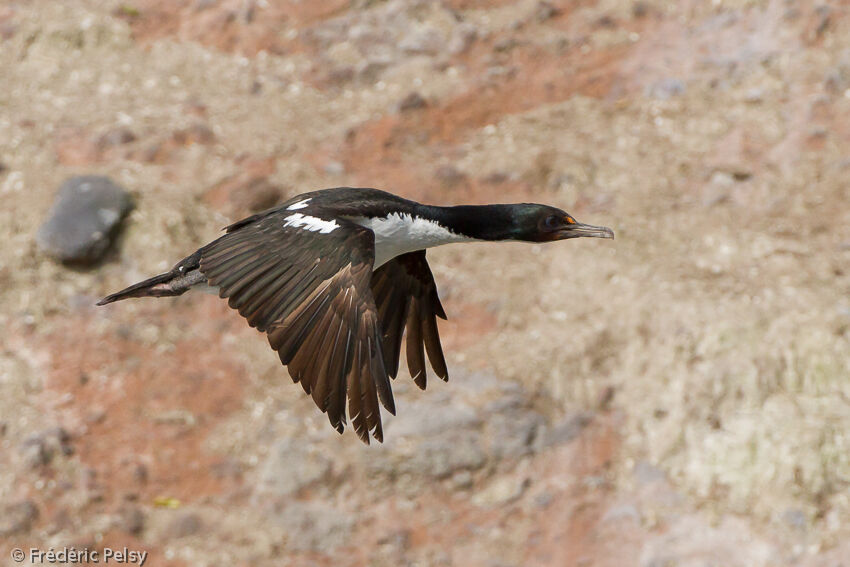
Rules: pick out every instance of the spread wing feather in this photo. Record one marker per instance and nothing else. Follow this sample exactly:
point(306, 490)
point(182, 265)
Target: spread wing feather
point(406, 296)
point(310, 293)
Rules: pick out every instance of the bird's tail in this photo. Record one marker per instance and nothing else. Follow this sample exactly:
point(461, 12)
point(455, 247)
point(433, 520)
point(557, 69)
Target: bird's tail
point(157, 286)
point(174, 282)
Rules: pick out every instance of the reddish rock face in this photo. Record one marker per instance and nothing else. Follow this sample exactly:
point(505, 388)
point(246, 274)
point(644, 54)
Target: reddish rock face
point(678, 398)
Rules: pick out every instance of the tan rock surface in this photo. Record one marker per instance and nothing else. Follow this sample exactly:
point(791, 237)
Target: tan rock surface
point(678, 396)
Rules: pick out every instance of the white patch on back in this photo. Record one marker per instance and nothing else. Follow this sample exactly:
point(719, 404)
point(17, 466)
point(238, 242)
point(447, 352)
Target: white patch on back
point(398, 234)
point(298, 205)
point(313, 224)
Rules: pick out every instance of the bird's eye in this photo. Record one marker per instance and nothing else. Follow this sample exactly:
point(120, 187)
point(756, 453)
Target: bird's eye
point(552, 222)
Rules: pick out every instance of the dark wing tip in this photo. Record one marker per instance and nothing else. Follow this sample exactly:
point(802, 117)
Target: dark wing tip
point(437, 305)
point(390, 407)
point(363, 434)
point(420, 379)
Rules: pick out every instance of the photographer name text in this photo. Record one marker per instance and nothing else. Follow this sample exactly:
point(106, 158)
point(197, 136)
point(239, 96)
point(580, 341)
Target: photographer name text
point(72, 555)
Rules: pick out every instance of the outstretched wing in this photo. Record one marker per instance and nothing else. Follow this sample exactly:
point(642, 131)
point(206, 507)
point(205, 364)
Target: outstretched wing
point(304, 281)
point(406, 296)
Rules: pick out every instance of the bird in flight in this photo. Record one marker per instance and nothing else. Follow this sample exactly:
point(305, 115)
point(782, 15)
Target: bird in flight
point(334, 277)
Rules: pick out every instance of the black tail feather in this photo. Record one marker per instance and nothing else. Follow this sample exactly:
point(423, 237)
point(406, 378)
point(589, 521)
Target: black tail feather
point(182, 276)
point(149, 288)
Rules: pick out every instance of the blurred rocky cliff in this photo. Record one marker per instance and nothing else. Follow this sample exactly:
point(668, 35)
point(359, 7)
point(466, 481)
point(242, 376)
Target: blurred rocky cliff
point(679, 396)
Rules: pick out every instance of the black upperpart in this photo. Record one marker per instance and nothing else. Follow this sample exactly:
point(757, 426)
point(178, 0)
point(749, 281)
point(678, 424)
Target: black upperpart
point(522, 221)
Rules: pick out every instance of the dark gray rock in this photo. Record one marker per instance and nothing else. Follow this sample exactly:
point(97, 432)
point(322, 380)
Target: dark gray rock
point(544, 500)
point(838, 78)
point(116, 137)
point(463, 36)
point(426, 417)
point(439, 458)
point(201, 5)
point(505, 44)
point(413, 101)
point(184, 525)
point(823, 14)
point(35, 452)
point(449, 176)
point(18, 518)
point(513, 433)
point(84, 219)
point(290, 467)
point(545, 11)
point(140, 473)
point(567, 430)
point(513, 425)
point(434, 437)
point(39, 449)
point(393, 549)
point(458, 433)
point(197, 133)
point(370, 71)
point(131, 520)
point(315, 526)
point(666, 88)
point(640, 9)
point(497, 178)
point(462, 480)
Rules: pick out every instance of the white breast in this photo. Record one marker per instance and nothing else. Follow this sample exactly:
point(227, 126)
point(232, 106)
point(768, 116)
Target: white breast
point(398, 234)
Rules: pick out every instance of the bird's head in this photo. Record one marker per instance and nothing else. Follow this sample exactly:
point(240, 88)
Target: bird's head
point(542, 223)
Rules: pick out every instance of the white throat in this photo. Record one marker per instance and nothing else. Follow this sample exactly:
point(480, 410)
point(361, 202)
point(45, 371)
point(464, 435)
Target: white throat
point(398, 234)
